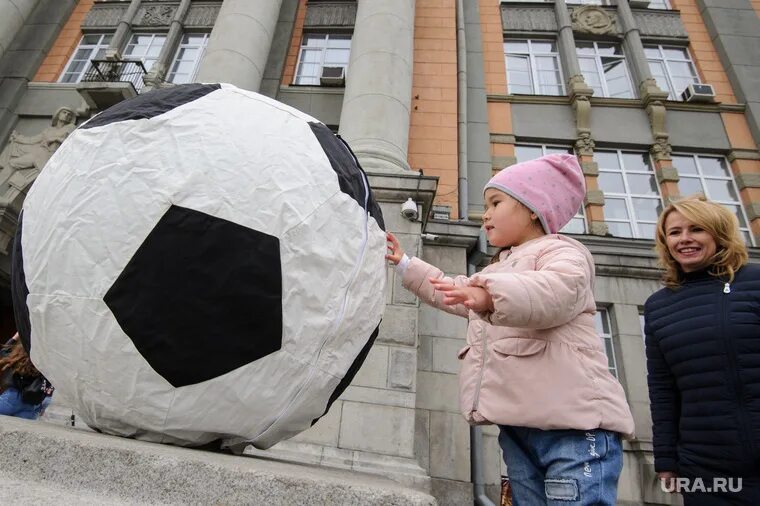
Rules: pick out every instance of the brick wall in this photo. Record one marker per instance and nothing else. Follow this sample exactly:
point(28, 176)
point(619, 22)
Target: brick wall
point(65, 44)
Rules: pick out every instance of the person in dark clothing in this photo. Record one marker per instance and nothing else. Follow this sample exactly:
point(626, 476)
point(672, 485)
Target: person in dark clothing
point(24, 391)
point(703, 358)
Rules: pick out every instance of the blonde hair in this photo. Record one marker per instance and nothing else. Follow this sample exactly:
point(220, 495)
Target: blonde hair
point(720, 223)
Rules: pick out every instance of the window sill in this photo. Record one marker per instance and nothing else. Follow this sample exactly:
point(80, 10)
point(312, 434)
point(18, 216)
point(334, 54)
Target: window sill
point(306, 88)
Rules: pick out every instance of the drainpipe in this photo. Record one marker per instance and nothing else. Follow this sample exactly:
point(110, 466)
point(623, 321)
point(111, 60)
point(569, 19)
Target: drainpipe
point(476, 431)
point(463, 203)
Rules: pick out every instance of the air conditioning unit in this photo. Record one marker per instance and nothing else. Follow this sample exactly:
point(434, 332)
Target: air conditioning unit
point(333, 76)
point(639, 4)
point(698, 92)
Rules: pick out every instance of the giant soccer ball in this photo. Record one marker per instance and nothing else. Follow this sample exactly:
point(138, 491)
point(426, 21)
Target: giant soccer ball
point(200, 263)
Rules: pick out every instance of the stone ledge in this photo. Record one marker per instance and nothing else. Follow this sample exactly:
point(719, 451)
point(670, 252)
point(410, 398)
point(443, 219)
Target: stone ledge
point(83, 465)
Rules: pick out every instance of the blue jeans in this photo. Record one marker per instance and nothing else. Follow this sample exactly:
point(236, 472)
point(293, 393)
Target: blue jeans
point(12, 405)
point(562, 467)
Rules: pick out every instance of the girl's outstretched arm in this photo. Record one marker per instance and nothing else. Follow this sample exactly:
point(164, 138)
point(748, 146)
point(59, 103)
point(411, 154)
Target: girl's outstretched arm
point(416, 276)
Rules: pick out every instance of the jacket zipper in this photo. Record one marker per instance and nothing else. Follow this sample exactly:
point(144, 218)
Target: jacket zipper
point(738, 385)
point(484, 335)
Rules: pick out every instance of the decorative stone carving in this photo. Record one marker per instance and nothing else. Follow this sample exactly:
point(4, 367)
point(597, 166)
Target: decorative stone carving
point(660, 24)
point(528, 19)
point(592, 19)
point(21, 162)
point(32, 152)
point(338, 14)
point(101, 16)
point(201, 16)
point(661, 149)
point(585, 145)
point(156, 15)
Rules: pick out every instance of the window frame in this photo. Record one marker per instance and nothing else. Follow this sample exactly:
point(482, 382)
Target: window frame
point(322, 51)
point(665, 3)
point(673, 94)
point(604, 314)
point(95, 49)
point(569, 150)
point(628, 197)
point(703, 179)
point(201, 51)
point(597, 58)
point(535, 82)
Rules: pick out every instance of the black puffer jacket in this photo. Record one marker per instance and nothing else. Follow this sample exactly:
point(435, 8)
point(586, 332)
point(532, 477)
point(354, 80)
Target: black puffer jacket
point(703, 358)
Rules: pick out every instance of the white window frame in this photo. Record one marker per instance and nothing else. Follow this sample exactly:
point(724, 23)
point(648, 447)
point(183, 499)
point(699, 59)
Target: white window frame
point(201, 47)
point(662, 58)
point(703, 181)
point(150, 45)
point(548, 149)
point(95, 49)
point(535, 83)
point(660, 5)
point(628, 197)
point(597, 58)
point(601, 317)
point(590, 2)
point(322, 51)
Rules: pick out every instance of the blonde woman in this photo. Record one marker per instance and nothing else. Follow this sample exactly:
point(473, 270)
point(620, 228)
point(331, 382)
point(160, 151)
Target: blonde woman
point(703, 357)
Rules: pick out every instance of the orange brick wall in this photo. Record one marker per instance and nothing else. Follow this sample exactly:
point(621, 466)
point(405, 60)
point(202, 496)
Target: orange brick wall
point(703, 51)
point(433, 132)
point(756, 5)
point(295, 45)
point(64, 46)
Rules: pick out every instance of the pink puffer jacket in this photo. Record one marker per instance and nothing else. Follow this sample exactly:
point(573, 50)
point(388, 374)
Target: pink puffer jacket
point(537, 360)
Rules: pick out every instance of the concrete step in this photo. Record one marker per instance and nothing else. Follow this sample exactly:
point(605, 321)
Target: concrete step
point(42, 463)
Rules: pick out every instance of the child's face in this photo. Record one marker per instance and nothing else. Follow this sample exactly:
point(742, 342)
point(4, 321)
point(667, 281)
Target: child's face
point(506, 221)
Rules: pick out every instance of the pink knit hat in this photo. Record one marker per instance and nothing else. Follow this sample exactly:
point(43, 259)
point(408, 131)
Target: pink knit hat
point(552, 186)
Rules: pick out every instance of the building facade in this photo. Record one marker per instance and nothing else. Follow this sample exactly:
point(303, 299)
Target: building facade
point(434, 96)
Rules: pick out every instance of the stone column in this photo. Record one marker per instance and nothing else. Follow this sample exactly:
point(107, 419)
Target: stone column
point(239, 45)
point(119, 39)
point(158, 71)
point(13, 14)
point(580, 95)
point(375, 115)
point(634, 51)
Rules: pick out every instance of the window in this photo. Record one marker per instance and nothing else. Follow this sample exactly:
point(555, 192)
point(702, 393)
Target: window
point(523, 153)
point(533, 67)
point(672, 68)
point(321, 50)
point(91, 47)
point(188, 56)
point(602, 322)
point(709, 175)
point(631, 195)
point(145, 47)
point(604, 69)
point(659, 4)
point(590, 2)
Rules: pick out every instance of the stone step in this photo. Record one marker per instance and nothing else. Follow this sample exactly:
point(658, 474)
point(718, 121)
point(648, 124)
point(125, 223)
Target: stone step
point(44, 463)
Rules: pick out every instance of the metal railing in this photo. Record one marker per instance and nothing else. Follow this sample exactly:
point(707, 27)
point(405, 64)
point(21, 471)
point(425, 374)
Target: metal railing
point(114, 71)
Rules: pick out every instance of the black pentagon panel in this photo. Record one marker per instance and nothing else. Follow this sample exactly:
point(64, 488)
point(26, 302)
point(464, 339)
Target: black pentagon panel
point(351, 176)
point(19, 290)
point(351, 373)
point(201, 296)
point(151, 104)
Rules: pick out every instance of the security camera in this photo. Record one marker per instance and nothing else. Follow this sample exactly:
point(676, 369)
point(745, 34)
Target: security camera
point(409, 209)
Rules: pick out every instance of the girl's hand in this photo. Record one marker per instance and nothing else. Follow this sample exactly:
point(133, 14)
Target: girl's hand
point(395, 253)
point(668, 481)
point(473, 297)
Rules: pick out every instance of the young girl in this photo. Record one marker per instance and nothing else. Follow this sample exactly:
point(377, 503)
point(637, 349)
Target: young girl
point(534, 363)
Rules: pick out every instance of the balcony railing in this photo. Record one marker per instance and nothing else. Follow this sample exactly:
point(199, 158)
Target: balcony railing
point(113, 71)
